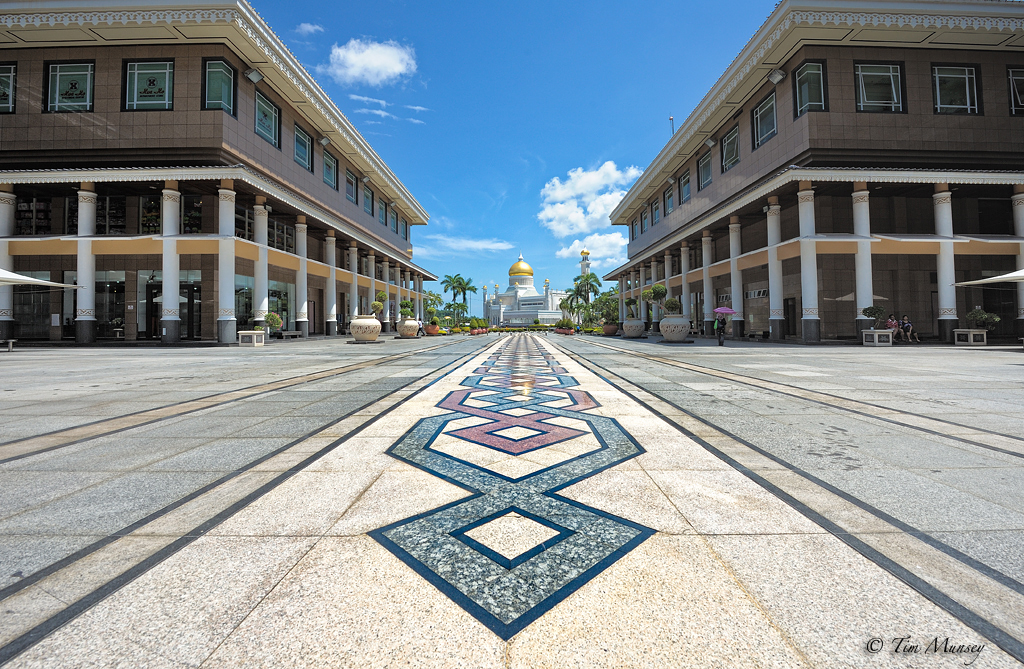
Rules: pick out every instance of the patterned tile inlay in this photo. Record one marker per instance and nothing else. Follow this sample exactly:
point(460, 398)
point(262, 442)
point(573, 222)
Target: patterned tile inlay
point(521, 400)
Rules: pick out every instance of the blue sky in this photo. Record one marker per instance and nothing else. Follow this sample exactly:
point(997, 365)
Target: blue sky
point(517, 126)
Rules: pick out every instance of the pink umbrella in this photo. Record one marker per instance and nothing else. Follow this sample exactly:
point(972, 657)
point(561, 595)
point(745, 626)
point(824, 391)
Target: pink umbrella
point(724, 310)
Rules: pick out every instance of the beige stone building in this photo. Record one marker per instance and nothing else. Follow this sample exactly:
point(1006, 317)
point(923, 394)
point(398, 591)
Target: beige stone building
point(173, 138)
point(854, 153)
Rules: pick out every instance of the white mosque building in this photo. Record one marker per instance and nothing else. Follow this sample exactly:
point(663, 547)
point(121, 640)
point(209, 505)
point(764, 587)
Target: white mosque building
point(522, 303)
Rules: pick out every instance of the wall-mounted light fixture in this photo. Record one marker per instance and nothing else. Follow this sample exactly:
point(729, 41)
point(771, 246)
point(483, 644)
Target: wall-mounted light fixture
point(392, 204)
point(670, 180)
point(324, 141)
point(254, 75)
point(775, 76)
point(710, 142)
point(366, 180)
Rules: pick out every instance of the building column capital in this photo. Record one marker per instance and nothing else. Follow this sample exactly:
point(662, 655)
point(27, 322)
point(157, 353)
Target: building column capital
point(225, 195)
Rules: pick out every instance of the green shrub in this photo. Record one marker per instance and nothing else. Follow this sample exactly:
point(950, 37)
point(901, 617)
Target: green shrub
point(672, 305)
point(435, 321)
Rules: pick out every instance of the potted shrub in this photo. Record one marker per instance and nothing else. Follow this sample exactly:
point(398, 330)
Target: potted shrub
point(407, 327)
point(610, 315)
point(674, 328)
point(875, 313)
point(979, 322)
point(632, 327)
point(367, 327)
point(433, 327)
point(272, 321)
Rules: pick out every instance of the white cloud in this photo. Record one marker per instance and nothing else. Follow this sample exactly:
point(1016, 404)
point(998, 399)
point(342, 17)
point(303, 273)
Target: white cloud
point(416, 120)
point(582, 203)
point(367, 62)
point(606, 250)
point(441, 246)
point(368, 101)
point(416, 108)
point(308, 29)
point(376, 112)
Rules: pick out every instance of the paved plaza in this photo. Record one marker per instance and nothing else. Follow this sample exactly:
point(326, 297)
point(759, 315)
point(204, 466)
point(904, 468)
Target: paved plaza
point(512, 501)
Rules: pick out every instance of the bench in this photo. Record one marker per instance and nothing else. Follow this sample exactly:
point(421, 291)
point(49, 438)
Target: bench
point(10, 344)
point(285, 334)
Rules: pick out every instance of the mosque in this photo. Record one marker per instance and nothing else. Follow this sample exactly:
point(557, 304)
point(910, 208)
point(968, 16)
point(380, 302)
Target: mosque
point(522, 303)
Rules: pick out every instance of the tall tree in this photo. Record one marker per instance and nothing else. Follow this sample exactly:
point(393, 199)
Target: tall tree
point(588, 284)
point(452, 284)
point(467, 287)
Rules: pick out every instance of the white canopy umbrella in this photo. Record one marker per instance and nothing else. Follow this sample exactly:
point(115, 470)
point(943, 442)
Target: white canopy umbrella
point(1003, 278)
point(13, 279)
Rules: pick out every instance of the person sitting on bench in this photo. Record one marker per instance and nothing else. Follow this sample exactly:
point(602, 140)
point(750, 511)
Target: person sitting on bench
point(908, 329)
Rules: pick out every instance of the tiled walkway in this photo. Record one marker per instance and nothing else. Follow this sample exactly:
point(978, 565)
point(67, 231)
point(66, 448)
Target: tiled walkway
point(509, 509)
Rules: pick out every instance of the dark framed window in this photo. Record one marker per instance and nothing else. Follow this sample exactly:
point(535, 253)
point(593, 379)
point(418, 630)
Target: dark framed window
point(303, 148)
point(405, 229)
point(730, 146)
point(810, 88)
point(69, 86)
point(149, 85)
point(655, 213)
point(393, 217)
point(1016, 76)
point(634, 229)
point(220, 85)
point(643, 221)
point(368, 200)
point(268, 120)
point(351, 187)
point(330, 170)
point(684, 187)
point(704, 171)
point(879, 87)
point(955, 89)
point(382, 213)
point(8, 85)
point(764, 122)
point(670, 197)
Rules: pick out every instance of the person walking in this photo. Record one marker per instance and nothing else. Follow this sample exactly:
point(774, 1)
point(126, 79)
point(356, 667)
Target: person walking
point(720, 329)
point(419, 327)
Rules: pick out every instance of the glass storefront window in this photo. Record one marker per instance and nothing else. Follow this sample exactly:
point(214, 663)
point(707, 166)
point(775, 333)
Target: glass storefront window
point(191, 214)
point(70, 87)
point(282, 302)
point(149, 215)
point(244, 287)
point(32, 308)
point(32, 216)
point(149, 86)
point(110, 301)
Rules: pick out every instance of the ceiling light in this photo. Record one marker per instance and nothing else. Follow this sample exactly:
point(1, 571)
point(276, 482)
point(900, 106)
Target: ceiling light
point(775, 76)
point(254, 75)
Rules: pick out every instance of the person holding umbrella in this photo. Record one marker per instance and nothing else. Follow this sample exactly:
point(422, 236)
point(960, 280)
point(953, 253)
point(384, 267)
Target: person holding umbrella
point(720, 323)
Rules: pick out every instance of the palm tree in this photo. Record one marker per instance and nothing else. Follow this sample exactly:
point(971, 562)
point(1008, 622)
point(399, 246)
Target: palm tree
point(452, 284)
point(467, 287)
point(588, 284)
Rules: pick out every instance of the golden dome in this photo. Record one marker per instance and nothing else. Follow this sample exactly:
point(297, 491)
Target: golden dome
point(585, 253)
point(520, 268)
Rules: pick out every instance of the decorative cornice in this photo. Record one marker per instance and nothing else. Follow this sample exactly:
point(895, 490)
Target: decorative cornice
point(861, 198)
point(942, 198)
point(8, 199)
point(138, 17)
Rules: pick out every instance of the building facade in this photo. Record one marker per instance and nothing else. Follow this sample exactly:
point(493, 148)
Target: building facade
point(522, 303)
point(176, 138)
point(854, 154)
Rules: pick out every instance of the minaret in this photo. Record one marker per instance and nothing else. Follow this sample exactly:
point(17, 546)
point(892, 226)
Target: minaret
point(584, 262)
point(485, 314)
point(547, 295)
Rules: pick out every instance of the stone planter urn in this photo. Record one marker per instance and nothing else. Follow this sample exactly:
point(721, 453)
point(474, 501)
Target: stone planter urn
point(407, 328)
point(675, 328)
point(632, 328)
point(431, 329)
point(610, 330)
point(365, 328)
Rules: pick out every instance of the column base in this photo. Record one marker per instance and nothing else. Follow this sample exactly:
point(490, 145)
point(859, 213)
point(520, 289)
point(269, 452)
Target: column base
point(303, 327)
point(332, 328)
point(1018, 327)
point(656, 326)
point(777, 329)
point(6, 329)
point(170, 331)
point(709, 328)
point(738, 329)
point(227, 331)
point(862, 324)
point(85, 332)
point(811, 328)
point(946, 327)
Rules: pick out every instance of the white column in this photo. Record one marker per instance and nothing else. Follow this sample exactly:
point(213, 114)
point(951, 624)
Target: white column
point(8, 205)
point(655, 309)
point(85, 312)
point(331, 256)
point(736, 275)
point(708, 253)
point(1018, 229)
point(261, 273)
point(622, 298)
point(776, 313)
point(862, 261)
point(633, 293)
point(227, 326)
point(808, 264)
point(371, 265)
point(301, 278)
point(408, 290)
point(418, 283)
point(643, 287)
point(684, 290)
point(353, 289)
point(942, 203)
point(385, 272)
point(170, 314)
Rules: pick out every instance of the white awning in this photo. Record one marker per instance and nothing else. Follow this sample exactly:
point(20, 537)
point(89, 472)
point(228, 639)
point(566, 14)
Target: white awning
point(12, 279)
point(1002, 278)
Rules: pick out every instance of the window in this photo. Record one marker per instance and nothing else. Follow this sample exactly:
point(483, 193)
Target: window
point(809, 83)
point(368, 200)
point(69, 87)
point(1016, 91)
point(405, 230)
point(331, 171)
point(643, 222)
point(765, 125)
point(669, 196)
point(149, 86)
point(219, 87)
point(704, 171)
point(879, 88)
point(268, 120)
point(7, 83)
point(731, 149)
point(655, 213)
point(191, 216)
point(382, 213)
point(350, 186)
point(393, 217)
point(634, 230)
point(32, 217)
point(684, 187)
point(956, 90)
point(149, 215)
point(303, 148)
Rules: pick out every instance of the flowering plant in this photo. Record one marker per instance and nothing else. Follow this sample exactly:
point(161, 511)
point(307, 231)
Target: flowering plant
point(273, 320)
